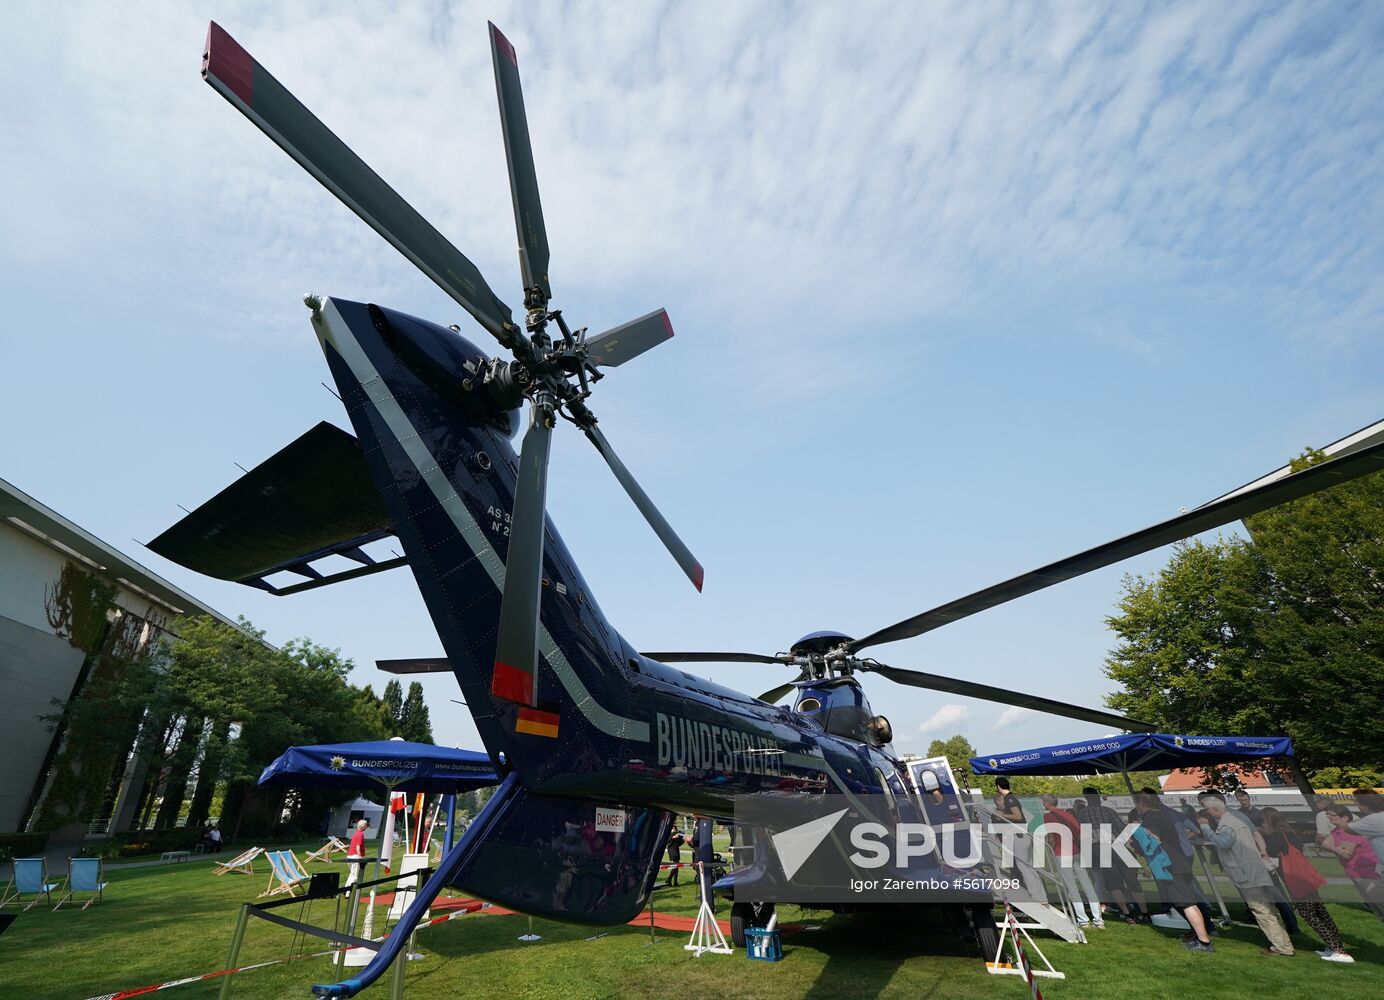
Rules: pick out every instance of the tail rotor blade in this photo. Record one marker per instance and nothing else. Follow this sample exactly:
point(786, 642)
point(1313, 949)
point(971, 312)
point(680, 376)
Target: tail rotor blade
point(523, 179)
point(629, 340)
point(661, 527)
point(516, 647)
point(251, 88)
point(422, 665)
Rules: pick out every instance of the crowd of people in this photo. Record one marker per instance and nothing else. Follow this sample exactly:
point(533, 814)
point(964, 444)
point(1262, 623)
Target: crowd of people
point(1256, 848)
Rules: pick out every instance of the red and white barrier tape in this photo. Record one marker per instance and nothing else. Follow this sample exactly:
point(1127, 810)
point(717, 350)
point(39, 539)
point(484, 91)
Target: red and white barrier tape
point(1012, 925)
point(263, 965)
point(210, 975)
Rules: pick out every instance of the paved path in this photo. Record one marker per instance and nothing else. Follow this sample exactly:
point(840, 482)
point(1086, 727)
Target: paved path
point(58, 855)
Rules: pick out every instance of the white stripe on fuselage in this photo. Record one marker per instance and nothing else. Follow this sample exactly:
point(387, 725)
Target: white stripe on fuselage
point(333, 329)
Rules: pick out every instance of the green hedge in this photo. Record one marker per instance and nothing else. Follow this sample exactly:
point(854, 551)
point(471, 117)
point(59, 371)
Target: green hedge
point(21, 845)
point(124, 845)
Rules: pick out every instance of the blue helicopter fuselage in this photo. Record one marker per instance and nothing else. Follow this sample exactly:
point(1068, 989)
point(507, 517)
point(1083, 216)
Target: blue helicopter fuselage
point(607, 727)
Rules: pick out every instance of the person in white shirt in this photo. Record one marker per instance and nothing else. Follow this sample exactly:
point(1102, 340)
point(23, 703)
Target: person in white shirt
point(1371, 821)
point(1323, 822)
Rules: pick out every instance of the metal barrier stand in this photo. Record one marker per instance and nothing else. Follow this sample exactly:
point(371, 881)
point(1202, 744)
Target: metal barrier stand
point(333, 934)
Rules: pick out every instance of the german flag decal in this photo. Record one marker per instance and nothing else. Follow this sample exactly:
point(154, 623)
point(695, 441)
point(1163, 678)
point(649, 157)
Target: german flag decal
point(536, 722)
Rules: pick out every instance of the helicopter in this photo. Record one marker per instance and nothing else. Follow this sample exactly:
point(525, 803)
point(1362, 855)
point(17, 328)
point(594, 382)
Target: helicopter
point(600, 746)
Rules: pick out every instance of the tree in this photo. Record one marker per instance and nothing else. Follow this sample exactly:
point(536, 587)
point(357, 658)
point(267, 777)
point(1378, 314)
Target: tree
point(217, 704)
point(957, 750)
point(1059, 784)
point(414, 723)
point(93, 732)
point(393, 700)
point(1282, 633)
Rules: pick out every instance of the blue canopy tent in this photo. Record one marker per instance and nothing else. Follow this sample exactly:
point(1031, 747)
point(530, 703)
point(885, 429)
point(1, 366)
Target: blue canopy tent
point(396, 765)
point(1134, 752)
point(1143, 751)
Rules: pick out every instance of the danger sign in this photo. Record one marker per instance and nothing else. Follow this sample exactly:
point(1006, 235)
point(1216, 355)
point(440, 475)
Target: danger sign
point(610, 820)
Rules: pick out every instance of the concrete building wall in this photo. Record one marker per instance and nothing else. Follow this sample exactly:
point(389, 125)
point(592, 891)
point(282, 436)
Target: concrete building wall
point(37, 667)
point(27, 567)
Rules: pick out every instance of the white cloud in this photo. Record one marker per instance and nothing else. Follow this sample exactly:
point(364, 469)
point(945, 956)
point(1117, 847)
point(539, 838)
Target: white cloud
point(1010, 716)
point(885, 163)
point(944, 718)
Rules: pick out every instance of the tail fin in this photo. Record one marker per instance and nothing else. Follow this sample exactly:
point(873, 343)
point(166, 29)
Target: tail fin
point(438, 449)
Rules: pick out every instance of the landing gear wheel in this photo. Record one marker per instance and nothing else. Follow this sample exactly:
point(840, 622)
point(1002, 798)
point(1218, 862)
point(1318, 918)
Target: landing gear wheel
point(746, 915)
point(986, 932)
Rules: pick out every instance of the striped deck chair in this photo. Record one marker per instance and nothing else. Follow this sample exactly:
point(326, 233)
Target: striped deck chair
point(324, 853)
point(84, 875)
point(243, 862)
point(284, 874)
point(295, 867)
point(30, 878)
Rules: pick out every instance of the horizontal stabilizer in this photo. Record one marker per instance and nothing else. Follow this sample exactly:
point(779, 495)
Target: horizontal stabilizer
point(313, 499)
point(435, 665)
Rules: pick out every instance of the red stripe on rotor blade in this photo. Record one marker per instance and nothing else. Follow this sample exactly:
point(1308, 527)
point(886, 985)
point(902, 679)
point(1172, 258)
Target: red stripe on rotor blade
point(505, 47)
point(224, 59)
point(668, 325)
point(698, 577)
point(511, 683)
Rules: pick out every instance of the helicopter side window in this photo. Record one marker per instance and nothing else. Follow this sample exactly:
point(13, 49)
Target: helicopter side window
point(888, 795)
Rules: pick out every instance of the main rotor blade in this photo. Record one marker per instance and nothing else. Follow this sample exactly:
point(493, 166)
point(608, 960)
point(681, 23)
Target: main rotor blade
point(935, 682)
point(774, 694)
point(261, 98)
point(629, 340)
point(716, 658)
point(661, 527)
point(516, 646)
point(523, 179)
point(1204, 518)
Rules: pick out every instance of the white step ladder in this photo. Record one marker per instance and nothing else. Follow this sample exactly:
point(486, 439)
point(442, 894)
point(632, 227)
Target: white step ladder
point(1049, 918)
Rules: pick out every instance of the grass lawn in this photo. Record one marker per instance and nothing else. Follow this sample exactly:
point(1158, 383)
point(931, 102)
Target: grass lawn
point(167, 922)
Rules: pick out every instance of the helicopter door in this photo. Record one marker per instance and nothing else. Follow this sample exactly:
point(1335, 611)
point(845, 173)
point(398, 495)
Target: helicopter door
point(932, 778)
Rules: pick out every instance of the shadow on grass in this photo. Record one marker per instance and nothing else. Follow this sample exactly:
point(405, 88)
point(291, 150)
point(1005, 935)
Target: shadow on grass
point(865, 951)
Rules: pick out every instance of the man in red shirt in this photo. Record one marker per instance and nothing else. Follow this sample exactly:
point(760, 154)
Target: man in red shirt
point(355, 852)
point(1069, 869)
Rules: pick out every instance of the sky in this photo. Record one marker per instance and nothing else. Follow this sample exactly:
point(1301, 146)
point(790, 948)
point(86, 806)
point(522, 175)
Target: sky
point(958, 289)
